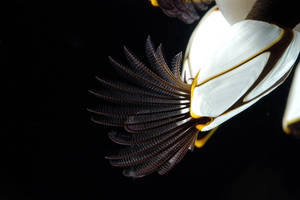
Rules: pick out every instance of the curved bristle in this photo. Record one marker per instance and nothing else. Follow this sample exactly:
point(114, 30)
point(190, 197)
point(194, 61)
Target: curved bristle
point(159, 64)
point(178, 156)
point(148, 118)
point(164, 65)
point(119, 138)
point(153, 85)
point(144, 153)
point(150, 144)
point(150, 125)
point(141, 69)
point(154, 163)
point(176, 63)
point(130, 89)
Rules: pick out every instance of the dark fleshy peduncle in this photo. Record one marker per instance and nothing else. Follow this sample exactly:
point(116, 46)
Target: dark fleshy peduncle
point(282, 13)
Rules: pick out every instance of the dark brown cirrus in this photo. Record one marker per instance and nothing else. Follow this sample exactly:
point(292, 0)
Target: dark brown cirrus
point(152, 104)
point(185, 10)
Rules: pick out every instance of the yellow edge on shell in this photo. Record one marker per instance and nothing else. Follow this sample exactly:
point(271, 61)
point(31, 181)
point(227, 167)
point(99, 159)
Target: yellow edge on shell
point(286, 128)
point(155, 3)
point(201, 142)
point(194, 83)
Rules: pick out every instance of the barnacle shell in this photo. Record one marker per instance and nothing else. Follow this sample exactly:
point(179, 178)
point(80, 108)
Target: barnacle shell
point(234, 64)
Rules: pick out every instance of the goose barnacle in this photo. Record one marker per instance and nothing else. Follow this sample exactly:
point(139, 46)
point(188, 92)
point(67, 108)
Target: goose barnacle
point(256, 40)
point(239, 52)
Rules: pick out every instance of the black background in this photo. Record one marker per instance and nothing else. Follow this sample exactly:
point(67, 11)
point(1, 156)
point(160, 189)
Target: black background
point(50, 54)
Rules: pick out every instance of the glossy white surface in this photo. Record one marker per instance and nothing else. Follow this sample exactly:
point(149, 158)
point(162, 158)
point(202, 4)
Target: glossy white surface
point(216, 96)
point(242, 41)
point(203, 42)
point(292, 111)
point(282, 67)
